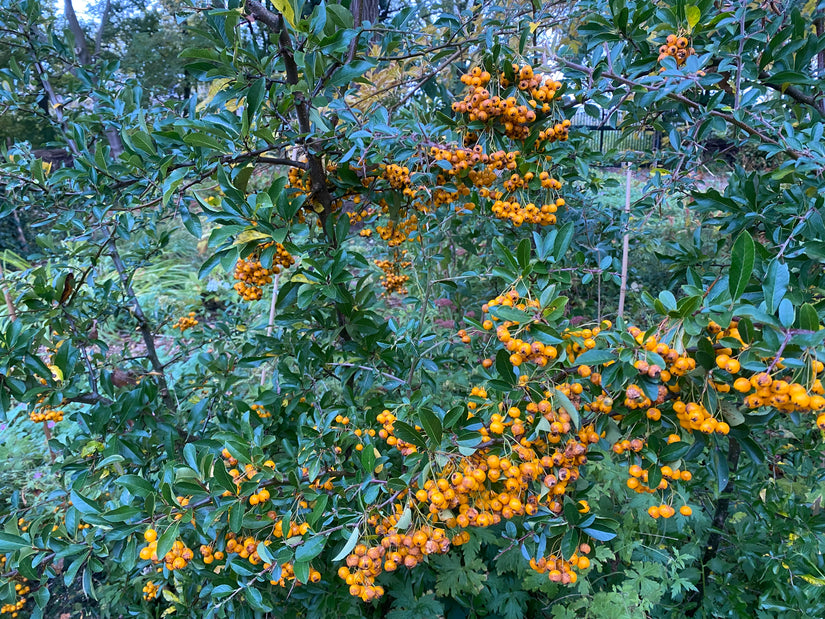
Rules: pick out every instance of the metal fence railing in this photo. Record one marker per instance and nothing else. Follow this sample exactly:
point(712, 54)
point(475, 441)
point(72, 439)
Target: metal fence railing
point(605, 135)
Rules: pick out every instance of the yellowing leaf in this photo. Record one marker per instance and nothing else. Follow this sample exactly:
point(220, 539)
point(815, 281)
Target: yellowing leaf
point(214, 88)
point(250, 235)
point(819, 582)
point(57, 373)
point(284, 7)
point(301, 279)
point(533, 27)
point(170, 597)
point(693, 15)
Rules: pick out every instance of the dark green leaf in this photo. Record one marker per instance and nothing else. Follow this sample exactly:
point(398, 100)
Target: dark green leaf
point(743, 256)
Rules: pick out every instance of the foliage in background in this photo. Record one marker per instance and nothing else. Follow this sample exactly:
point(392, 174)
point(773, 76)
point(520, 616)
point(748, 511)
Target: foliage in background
point(429, 398)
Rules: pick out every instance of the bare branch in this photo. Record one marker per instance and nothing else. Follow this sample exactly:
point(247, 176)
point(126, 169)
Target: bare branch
point(143, 325)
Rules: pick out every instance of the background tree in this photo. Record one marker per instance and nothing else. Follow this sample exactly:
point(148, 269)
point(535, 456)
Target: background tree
point(344, 336)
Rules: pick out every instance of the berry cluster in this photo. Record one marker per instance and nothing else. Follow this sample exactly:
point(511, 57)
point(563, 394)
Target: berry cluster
point(561, 570)
point(176, 559)
point(288, 575)
point(253, 276)
point(186, 322)
point(505, 109)
point(393, 280)
point(677, 48)
point(259, 410)
point(20, 591)
point(521, 351)
point(46, 414)
point(150, 591)
point(209, 555)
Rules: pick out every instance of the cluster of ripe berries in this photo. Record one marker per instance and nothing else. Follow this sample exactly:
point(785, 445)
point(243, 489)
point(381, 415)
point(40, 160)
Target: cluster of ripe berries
point(479, 491)
point(397, 231)
point(245, 548)
point(209, 555)
point(182, 502)
point(252, 276)
point(287, 576)
point(186, 322)
point(521, 351)
point(387, 432)
point(259, 410)
point(237, 476)
point(766, 390)
point(46, 414)
point(398, 178)
point(508, 112)
point(638, 478)
point(20, 591)
point(356, 215)
point(561, 570)
point(528, 213)
point(676, 48)
point(176, 559)
point(395, 550)
point(394, 280)
point(150, 591)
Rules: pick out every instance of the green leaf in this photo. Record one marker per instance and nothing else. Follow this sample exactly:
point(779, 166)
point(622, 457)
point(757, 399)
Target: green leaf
point(775, 284)
point(407, 433)
point(264, 553)
point(166, 540)
point(562, 399)
point(352, 541)
point(512, 314)
point(318, 509)
point(236, 517)
point(596, 356)
point(432, 426)
point(9, 543)
point(523, 253)
point(722, 470)
point(254, 98)
point(310, 548)
point(602, 529)
point(808, 318)
point(122, 514)
point(82, 504)
point(301, 569)
point(143, 141)
point(190, 454)
point(504, 367)
point(668, 300)
point(743, 256)
point(201, 140)
point(569, 543)
point(787, 313)
point(136, 485)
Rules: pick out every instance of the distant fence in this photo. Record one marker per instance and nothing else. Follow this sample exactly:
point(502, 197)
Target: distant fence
point(605, 135)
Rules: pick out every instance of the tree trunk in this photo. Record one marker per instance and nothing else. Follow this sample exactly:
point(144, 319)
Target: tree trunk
point(85, 58)
point(364, 11)
point(80, 46)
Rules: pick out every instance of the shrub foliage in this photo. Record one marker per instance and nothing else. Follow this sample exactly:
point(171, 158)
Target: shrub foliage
point(341, 336)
